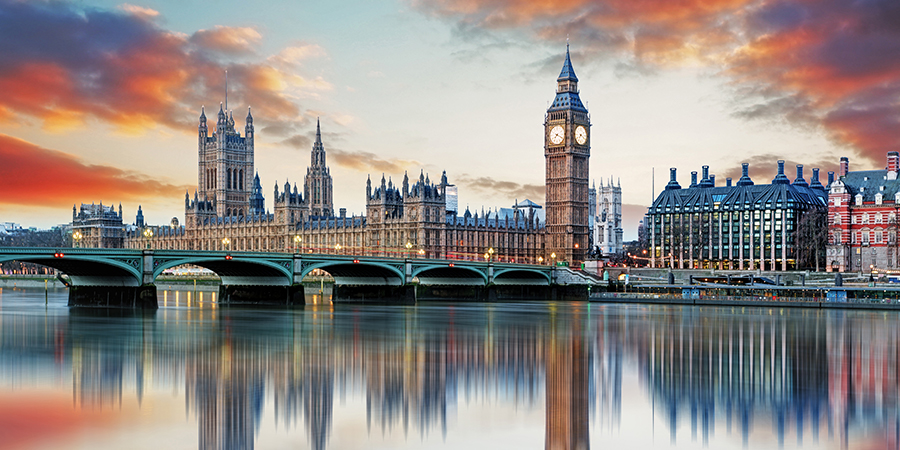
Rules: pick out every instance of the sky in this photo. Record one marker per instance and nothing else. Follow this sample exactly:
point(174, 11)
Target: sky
point(100, 99)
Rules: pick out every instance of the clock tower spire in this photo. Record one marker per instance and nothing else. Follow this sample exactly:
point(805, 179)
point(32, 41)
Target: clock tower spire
point(567, 149)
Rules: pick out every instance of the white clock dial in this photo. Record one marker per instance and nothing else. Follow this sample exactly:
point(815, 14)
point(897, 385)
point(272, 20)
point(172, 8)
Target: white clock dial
point(581, 135)
point(556, 134)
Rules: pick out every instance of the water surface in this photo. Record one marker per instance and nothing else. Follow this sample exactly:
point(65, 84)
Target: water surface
point(527, 375)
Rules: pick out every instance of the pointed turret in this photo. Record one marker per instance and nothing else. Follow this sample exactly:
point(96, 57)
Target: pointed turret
point(318, 132)
point(567, 73)
point(248, 128)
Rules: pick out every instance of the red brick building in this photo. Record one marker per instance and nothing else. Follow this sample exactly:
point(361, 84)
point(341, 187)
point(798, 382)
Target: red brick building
point(863, 211)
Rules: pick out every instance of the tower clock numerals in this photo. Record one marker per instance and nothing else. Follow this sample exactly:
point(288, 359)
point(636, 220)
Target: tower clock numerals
point(580, 135)
point(557, 134)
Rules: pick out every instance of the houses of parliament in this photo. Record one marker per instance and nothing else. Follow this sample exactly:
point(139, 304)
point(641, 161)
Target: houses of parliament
point(413, 218)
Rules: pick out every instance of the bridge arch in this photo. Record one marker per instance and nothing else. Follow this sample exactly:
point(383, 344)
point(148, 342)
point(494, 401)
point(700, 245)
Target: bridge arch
point(445, 275)
point(364, 273)
point(521, 276)
point(236, 270)
point(85, 269)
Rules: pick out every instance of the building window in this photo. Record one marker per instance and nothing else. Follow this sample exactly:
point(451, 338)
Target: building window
point(865, 237)
point(837, 219)
point(837, 237)
point(878, 236)
point(865, 218)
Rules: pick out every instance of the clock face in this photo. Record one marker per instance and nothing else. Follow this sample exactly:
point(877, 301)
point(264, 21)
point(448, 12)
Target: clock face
point(581, 135)
point(556, 134)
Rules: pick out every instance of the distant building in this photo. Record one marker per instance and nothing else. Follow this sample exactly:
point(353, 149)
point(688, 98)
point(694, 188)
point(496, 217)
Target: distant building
point(863, 218)
point(97, 226)
point(451, 192)
point(607, 218)
point(742, 226)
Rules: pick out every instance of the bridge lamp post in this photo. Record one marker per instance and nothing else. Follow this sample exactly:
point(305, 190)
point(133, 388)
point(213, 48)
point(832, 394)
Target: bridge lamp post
point(225, 243)
point(298, 240)
point(76, 238)
point(337, 248)
point(408, 248)
point(490, 253)
point(148, 233)
point(553, 258)
point(541, 260)
point(421, 253)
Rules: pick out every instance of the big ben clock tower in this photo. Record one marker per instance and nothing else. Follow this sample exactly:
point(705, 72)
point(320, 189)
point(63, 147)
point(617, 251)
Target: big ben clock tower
point(567, 147)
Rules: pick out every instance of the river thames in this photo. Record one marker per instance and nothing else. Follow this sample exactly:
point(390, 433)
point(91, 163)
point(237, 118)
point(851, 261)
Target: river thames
point(526, 375)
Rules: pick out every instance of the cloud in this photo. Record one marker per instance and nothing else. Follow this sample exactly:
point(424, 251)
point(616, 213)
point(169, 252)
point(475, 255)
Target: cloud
point(71, 66)
point(139, 11)
point(31, 175)
point(369, 162)
point(509, 189)
point(228, 40)
point(827, 65)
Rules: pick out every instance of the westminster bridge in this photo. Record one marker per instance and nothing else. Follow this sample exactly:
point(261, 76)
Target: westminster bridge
point(125, 277)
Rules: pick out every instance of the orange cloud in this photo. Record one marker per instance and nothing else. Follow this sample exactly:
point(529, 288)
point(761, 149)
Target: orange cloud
point(234, 40)
point(120, 67)
point(826, 64)
point(32, 175)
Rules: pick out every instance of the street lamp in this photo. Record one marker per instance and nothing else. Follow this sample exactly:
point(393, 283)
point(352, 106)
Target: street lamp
point(337, 248)
point(148, 233)
point(490, 253)
point(225, 243)
point(553, 258)
point(408, 247)
point(540, 260)
point(76, 238)
point(421, 253)
point(297, 241)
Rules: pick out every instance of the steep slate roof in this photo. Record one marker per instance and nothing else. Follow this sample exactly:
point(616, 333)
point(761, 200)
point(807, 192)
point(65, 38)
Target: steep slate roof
point(736, 198)
point(872, 181)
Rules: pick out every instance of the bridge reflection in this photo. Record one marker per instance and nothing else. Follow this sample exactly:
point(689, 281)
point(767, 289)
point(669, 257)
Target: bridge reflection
point(791, 373)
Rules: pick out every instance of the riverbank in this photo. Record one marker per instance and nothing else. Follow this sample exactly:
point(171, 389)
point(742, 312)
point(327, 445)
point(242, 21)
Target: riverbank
point(817, 302)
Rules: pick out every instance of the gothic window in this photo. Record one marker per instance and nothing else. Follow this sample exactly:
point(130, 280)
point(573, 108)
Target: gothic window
point(228, 184)
point(241, 180)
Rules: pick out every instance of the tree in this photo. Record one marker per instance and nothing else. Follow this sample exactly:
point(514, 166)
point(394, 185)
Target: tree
point(810, 237)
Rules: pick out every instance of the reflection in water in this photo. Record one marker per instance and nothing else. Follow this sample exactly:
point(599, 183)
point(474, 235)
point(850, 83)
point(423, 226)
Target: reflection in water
point(827, 375)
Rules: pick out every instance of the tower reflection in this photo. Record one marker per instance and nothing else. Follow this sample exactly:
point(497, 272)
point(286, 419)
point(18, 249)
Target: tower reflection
point(703, 373)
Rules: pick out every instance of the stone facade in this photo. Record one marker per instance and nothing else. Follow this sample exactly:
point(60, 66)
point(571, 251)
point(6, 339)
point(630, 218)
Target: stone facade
point(606, 209)
point(863, 218)
point(567, 148)
point(97, 226)
point(738, 227)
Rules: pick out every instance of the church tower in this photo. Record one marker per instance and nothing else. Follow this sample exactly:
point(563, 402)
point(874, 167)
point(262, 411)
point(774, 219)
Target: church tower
point(317, 185)
point(567, 148)
point(225, 169)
